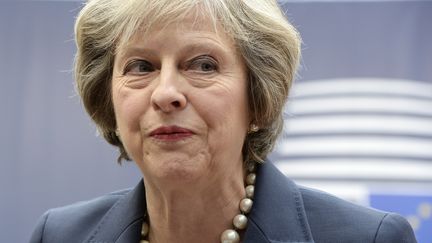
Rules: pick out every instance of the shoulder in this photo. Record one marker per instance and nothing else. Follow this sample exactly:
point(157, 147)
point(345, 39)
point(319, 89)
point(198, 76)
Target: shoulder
point(334, 220)
point(303, 214)
point(73, 223)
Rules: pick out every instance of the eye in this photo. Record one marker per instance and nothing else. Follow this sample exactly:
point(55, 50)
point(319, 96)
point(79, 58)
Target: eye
point(203, 64)
point(138, 67)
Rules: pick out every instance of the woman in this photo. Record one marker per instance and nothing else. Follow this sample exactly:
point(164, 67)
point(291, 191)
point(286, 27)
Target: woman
point(192, 91)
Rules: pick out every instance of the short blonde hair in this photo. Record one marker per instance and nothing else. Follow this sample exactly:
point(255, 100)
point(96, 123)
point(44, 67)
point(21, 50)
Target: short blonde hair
point(268, 43)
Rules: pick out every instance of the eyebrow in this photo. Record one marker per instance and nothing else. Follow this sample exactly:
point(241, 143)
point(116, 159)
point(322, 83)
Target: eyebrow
point(135, 50)
point(206, 46)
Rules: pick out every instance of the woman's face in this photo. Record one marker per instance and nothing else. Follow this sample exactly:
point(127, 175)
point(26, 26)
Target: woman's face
point(180, 101)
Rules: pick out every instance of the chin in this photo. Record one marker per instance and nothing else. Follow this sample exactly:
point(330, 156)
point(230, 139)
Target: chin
point(175, 170)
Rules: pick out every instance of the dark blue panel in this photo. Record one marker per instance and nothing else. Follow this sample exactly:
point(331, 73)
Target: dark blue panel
point(417, 209)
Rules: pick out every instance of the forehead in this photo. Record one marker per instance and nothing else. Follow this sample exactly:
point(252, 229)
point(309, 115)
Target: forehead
point(196, 27)
point(195, 19)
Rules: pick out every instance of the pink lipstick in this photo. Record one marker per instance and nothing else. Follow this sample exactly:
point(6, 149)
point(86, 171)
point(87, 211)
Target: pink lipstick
point(171, 133)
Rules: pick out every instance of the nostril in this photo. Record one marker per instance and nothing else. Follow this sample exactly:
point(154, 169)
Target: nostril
point(176, 103)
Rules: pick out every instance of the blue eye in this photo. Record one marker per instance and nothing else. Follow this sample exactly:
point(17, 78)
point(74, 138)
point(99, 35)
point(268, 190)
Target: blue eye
point(138, 67)
point(204, 64)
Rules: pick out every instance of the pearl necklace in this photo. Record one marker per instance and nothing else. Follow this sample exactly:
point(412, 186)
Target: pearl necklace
point(239, 221)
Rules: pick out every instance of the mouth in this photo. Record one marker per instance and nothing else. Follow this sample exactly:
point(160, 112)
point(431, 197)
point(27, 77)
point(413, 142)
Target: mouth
point(170, 133)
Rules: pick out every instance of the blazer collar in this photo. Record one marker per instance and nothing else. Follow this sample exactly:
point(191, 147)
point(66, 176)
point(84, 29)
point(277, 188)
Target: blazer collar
point(122, 223)
point(278, 214)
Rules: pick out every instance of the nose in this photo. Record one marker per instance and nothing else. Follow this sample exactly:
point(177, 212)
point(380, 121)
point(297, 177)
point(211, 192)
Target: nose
point(167, 95)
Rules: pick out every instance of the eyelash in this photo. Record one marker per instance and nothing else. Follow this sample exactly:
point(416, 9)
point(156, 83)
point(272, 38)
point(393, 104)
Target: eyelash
point(199, 61)
point(132, 64)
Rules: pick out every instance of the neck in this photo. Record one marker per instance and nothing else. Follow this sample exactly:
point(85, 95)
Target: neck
point(194, 212)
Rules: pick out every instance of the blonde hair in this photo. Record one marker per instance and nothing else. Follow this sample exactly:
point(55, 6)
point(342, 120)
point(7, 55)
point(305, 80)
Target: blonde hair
point(268, 43)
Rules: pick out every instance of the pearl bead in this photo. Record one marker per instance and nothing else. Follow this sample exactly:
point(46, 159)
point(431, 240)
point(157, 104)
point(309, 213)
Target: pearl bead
point(144, 229)
point(246, 205)
point(250, 167)
point(250, 191)
point(230, 236)
point(240, 221)
point(250, 179)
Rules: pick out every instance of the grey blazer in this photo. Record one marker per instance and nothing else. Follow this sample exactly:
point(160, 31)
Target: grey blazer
point(282, 212)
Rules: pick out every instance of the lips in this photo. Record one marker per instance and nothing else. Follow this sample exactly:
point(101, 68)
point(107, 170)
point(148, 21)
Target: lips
point(171, 133)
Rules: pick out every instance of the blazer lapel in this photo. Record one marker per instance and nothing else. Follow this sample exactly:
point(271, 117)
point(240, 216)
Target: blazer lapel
point(278, 214)
point(122, 223)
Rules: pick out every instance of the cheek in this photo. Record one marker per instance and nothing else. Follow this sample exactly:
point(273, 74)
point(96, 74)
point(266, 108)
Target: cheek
point(128, 109)
point(226, 119)
point(225, 112)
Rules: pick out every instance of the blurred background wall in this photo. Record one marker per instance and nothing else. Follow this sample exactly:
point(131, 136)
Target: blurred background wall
point(359, 122)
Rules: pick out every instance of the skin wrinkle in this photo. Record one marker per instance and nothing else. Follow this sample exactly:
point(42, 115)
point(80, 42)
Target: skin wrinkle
point(134, 52)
